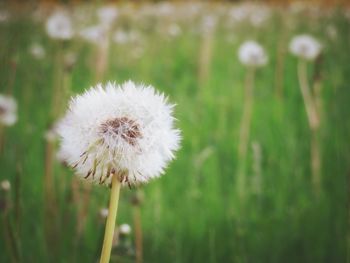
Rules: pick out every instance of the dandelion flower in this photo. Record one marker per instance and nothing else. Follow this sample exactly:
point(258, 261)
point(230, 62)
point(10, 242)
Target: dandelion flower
point(59, 26)
point(305, 46)
point(252, 54)
point(126, 129)
point(8, 110)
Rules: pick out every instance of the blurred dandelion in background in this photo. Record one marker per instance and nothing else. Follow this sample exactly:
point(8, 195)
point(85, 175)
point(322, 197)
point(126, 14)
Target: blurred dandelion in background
point(8, 110)
point(59, 26)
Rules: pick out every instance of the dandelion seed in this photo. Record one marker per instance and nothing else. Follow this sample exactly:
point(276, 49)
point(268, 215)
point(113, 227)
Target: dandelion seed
point(305, 46)
point(59, 26)
point(252, 54)
point(8, 110)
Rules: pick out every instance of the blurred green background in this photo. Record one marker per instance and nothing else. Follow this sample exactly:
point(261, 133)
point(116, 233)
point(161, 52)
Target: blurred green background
point(193, 213)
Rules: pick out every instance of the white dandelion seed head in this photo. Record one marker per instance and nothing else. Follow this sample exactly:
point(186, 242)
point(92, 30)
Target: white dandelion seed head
point(104, 212)
point(127, 130)
point(305, 46)
point(37, 51)
point(174, 30)
point(59, 26)
point(107, 14)
point(124, 229)
point(4, 16)
point(121, 37)
point(5, 185)
point(8, 110)
point(253, 54)
point(94, 34)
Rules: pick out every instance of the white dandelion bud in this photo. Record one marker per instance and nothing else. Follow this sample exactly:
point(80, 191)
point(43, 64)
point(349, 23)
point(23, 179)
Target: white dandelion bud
point(305, 46)
point(8, 110)
point(59, 26)
point(252, 54)
point(125, 130)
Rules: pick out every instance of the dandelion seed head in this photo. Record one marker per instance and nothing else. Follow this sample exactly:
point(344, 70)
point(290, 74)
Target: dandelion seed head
point(124, 229)
point(119, 129)
point(107, 15)
point(305, 46)
point(59, 26)
point(8, 110)
point(251, 53)
point(104, 212)
point(37, 51)
point(94, 34)
point(5, 185)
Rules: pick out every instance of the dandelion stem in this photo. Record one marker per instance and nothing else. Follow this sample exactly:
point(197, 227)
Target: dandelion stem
point(245, 131)
point(307, 95)
point(138, 234)
point(314, 124)
point(110, 224)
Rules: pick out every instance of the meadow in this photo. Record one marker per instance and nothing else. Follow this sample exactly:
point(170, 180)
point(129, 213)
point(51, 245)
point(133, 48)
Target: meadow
point(196, 211)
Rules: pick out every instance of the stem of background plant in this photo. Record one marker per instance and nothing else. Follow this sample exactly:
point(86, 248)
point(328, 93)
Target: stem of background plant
point(110, 223)
point(245, 131)
point(102, 59)
point(314, 124)
point(138, 234)
point(204, 62)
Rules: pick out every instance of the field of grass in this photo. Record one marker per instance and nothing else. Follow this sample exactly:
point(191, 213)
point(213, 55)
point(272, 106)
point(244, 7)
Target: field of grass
point(193, 213)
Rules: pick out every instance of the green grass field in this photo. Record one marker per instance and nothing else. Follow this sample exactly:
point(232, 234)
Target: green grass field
point(193, 213)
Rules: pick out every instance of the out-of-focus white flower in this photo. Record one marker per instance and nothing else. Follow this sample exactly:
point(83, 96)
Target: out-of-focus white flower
point(174, 30)
point(5, 185)
point(51, 134)
point(94, 34)
point(104, 212)
point(305, 46)
point(69, 59)
point(121, 37)
point(59, 26)
point(4, 16)
point(251, 53)
point(124, 37)
point(8, 110)
point(37, 51)
point(259, 16)
point(208, 23)
point(332, 32)
point(125, 130)
point(124, 229)
point(107, 14)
